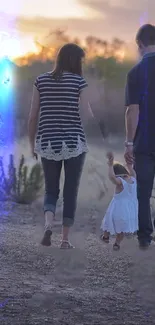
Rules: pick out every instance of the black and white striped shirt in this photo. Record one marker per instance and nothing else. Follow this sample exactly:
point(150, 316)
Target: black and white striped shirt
point(60, 132)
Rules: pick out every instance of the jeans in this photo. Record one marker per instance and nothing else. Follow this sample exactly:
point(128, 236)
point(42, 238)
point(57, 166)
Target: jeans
point(52, 170)
point(145, 170)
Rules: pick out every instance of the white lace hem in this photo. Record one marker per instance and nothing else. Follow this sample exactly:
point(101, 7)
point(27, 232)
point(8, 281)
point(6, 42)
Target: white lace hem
point(65, 153)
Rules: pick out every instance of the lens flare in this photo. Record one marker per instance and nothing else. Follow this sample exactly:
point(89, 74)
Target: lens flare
point(5, 72)
point(6, 78)
point(6, 104)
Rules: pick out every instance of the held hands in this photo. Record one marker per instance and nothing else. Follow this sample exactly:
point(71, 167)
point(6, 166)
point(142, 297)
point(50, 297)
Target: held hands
point(110, 158)
point(128, 155)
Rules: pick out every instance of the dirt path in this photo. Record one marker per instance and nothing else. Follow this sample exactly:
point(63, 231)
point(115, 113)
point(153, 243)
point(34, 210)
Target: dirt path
point(90, 285)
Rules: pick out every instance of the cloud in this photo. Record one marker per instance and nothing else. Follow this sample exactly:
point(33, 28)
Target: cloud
point(110, 5)
point(122, 17)
point(114, 18)
point(77, 27)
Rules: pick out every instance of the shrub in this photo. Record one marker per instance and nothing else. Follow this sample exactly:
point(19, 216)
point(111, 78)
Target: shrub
point(18, 184)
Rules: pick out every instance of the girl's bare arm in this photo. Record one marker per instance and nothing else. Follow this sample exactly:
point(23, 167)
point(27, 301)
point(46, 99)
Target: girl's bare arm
point(116, 181)
point(131, 170)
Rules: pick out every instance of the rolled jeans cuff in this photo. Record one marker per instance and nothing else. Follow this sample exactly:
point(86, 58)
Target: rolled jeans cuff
point(49, 207)
point(68, 222)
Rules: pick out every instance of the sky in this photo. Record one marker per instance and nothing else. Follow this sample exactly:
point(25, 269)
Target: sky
point(102, 18)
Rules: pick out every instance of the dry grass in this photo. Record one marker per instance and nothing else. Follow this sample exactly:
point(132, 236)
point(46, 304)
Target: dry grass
point(95, 189)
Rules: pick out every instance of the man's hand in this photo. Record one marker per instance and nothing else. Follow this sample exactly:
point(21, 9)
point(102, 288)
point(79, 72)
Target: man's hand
point(128, 155)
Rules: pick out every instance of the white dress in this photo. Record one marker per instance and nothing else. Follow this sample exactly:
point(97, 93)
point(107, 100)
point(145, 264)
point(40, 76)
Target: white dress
point(122, 213)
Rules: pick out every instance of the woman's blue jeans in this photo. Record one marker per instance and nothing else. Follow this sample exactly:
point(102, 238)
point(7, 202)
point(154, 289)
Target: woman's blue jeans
point(52, 170)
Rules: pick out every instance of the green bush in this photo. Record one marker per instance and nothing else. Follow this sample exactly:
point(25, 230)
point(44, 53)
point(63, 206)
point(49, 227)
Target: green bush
point(18, 184)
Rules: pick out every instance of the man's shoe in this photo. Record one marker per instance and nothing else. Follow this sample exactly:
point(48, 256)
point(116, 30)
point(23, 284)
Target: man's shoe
point(144, 244)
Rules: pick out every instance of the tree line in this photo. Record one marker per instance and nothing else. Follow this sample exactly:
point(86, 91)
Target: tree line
point(103, 69)
point(93, 47)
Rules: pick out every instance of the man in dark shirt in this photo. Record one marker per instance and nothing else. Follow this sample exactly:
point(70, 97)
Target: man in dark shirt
point(140, 127)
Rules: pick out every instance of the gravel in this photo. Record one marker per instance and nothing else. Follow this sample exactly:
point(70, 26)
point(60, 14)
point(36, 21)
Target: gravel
point(88, 285)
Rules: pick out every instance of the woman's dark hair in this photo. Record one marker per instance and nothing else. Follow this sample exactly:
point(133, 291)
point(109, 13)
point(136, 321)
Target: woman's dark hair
point(69, 59)
point(146, 35)
point(120, 170)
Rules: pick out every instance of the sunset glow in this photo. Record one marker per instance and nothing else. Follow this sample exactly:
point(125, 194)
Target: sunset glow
point(48, 9)
point(36, 19)
point(14, 47)
point(25, 45)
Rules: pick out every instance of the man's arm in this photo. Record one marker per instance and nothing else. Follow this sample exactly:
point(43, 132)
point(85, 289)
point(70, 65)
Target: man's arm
point(132, 104)
point(131, 122)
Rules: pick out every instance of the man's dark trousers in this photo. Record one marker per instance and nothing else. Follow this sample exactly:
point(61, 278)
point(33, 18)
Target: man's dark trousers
point(145, 170)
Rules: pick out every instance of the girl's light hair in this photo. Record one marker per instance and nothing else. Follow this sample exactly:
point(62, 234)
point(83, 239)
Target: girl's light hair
point(120, 169)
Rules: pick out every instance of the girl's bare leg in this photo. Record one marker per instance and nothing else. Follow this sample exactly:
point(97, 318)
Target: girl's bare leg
point(119, 238)
point(106, 234)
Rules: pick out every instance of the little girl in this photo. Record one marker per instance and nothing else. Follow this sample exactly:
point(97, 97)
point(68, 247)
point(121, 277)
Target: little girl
point(122, 214)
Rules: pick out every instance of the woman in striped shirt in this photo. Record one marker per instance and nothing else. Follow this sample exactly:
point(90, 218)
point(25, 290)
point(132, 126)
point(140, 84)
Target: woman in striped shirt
point(56, 134)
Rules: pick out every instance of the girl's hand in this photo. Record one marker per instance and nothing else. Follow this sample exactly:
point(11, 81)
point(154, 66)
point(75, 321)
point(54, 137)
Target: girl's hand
point(110, 157)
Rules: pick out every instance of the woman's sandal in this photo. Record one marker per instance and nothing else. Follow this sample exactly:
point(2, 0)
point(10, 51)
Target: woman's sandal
point(66, 245)
point(116, 247)
point(105, 239)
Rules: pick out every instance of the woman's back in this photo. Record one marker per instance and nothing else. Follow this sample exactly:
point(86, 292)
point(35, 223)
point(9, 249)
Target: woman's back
point(60, 133)
point(56, 134)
